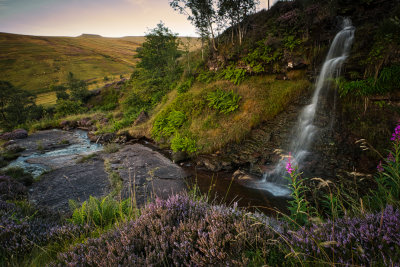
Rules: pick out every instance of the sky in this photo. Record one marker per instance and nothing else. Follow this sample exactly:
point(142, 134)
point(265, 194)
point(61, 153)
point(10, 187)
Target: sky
point(109, 18)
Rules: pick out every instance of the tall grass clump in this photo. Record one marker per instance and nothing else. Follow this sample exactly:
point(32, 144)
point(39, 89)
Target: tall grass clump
point(101, 212)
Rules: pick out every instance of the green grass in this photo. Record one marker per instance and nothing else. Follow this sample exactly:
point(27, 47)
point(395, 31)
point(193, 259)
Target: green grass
point(261, 99)
point(35, 62)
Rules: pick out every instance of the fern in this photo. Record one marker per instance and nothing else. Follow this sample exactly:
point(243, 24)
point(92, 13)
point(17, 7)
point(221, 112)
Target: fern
point(224, 102)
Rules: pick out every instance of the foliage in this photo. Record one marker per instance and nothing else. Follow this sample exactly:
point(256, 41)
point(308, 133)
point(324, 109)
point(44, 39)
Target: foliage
point(111, 148)
point(78, 88)
point(261, 56)
point(100, 212)
point(233, 74)
point(183, 143)
point(68, 107)
point(16, 106)
point(387, 81)
point(19, 174)
point(224, 102)
point(10, 189)
point(24, 228)
point(298, 206)
point(388, 176)
point(290, 42)
point(372, 239)
point(159, 52)
point(206, 76)
point(185, 86)
point(167, 123)
point(181, 231)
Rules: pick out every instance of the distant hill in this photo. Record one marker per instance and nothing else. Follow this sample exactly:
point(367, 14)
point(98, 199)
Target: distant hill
point(88, 35)
point(35, 62)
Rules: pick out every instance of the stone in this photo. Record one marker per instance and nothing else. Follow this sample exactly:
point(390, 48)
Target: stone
point(179, 156)
point(143, 117)
point(16, 134)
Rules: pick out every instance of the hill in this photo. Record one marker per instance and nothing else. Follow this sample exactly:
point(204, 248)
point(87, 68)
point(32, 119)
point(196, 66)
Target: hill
point(35, 62)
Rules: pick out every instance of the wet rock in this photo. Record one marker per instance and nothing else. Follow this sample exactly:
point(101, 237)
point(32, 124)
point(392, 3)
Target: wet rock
point(76, 182)
point(147, 172)
point(179, 156)
point(107, 137)
point(16, 134)
point(143, 117)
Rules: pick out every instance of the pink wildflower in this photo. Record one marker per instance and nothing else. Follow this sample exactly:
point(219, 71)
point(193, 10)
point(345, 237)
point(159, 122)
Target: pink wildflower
point(289, 167)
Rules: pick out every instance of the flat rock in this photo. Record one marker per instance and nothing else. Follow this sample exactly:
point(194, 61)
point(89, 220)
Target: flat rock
point(76, 182)
point(147, 173)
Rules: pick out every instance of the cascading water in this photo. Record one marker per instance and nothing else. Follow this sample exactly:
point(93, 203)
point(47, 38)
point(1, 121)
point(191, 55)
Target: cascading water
point(305, 130)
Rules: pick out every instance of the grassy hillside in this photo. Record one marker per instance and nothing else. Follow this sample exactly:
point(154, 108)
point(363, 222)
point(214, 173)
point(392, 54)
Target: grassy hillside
point(35, 62)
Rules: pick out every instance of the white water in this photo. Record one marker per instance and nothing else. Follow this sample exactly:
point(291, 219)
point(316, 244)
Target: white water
point(304, 132)
point(82, 147)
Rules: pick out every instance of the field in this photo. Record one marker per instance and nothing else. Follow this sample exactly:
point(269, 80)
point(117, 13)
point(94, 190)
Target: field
point(35, 62)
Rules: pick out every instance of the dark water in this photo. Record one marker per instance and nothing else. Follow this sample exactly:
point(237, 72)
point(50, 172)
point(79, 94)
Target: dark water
point(221, 188)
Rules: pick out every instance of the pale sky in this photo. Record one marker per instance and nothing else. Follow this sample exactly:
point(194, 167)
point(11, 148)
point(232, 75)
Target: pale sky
point(110, 18)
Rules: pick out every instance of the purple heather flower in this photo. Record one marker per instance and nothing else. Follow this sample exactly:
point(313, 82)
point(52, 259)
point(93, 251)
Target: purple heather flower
point(391, 158)
point(289, 167)
point(379, 167)
point(396, 133)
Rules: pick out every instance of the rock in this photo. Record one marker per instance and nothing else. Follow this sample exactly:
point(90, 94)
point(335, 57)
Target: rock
point(179, 156)
point(241, 176)
point(143, 117)
point(149, 172)
point(77, 182)
point(92, 136)
point(107, 137)
point(15, 148)
point(16, 134)
point(8, 143)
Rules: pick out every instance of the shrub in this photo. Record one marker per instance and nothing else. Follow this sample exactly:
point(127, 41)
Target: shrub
point(206, 76)
point(184, 87)
point(167, 123)
point(24, 228)
point(19, 175)
point(11, 189)
point(233, 74)
point(100, 212)
point(68, 107)
point(183, 143)
point(224, 102)
point(372, 240)
point(180, 231)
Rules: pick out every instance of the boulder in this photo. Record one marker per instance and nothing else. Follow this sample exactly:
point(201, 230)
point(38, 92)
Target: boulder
point(16, 134)
point(143, 117)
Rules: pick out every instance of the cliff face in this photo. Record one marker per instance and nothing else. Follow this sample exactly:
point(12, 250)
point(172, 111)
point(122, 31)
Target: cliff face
point(354, 111)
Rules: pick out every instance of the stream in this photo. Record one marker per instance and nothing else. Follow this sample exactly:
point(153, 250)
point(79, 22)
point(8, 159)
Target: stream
point(51, 150)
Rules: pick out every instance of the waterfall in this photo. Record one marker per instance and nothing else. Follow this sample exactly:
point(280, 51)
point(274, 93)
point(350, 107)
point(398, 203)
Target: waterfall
point(305, 130)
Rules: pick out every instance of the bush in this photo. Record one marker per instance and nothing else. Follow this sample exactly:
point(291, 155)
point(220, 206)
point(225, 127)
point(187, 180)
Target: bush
point(68, 107)
point(224, 102)
point(371, 240)
point(19, 175)
point(100, 212)
point(233, 74)
point(180, 231)
point(24, 228)
point(184, 87)
point(183, 143)
point(167, 123)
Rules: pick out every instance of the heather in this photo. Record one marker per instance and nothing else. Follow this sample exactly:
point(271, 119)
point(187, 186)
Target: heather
point(23, 229)
point(182, 231)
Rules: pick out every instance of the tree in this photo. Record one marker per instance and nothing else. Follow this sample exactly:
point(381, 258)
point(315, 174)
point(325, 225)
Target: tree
point(16, 106)
point(159, 52)
point(78, 88)
point(202, 14)
point(61, 91)
point(236, 11)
